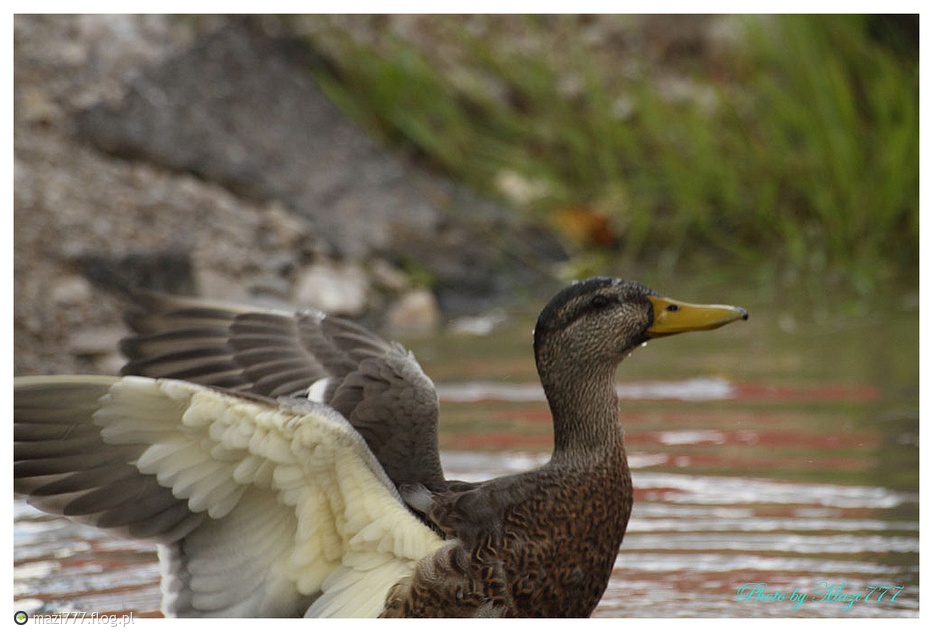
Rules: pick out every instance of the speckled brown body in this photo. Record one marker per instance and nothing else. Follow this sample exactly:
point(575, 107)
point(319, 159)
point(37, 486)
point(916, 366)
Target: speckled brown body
point(549, 553)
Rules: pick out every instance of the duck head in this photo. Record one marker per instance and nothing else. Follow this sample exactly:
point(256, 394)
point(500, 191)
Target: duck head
point(582, 335)
point(599, 321)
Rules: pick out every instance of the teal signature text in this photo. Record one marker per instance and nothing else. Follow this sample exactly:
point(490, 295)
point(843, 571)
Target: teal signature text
point(838, 592)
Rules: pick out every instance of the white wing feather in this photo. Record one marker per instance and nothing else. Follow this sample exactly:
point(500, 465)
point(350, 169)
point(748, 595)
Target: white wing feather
point(302, 513)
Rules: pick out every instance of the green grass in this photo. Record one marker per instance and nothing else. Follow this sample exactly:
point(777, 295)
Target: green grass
point(799, 155)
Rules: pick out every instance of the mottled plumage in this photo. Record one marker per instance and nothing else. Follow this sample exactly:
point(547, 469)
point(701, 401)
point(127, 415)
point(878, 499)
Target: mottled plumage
point(287, 464)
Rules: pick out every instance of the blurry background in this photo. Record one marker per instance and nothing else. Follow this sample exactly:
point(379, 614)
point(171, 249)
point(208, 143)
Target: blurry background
point(438, 177)
point(412, 168)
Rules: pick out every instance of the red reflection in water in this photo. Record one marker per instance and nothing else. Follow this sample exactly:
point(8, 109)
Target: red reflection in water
point(824, 392)
point(499, 441)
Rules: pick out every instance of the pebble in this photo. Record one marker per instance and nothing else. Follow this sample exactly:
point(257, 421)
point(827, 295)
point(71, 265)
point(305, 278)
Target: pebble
point(334, 288)
point(416, 310)
point(70, 291)
point(95, 341)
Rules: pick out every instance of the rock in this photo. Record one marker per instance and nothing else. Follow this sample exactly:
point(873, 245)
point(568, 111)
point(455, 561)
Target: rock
point(387, 276)
point(480, 325)
point(416, 310)
point(95, 341)
point(293, 146)
point(281, 229)
point(333, 288)
point(216, 285)
point(167, 271)
point(519, 189)
point(199, 156)
point(71, 290)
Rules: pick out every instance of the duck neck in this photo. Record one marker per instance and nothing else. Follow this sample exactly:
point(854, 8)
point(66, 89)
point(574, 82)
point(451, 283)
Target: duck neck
point(585, 409)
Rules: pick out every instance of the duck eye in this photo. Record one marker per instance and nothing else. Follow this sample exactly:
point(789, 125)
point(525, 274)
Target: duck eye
point(600, 301)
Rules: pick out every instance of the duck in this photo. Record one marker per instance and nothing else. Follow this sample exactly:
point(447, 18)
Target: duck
point(287, 463)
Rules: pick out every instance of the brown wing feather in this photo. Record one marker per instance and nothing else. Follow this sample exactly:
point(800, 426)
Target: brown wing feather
point(378, 386)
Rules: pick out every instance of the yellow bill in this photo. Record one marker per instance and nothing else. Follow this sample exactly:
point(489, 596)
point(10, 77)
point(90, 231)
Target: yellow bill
point(674, 317)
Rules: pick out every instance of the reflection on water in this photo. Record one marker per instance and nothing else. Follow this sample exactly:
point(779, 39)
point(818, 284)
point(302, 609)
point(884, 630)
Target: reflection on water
point(694, 541)
point(776, 475)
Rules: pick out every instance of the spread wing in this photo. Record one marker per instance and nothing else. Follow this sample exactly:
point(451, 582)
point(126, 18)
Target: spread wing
point(260, 508)
point(378, 386)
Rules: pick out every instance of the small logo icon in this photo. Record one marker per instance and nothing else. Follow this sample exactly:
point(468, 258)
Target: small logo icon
point(21, 617)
